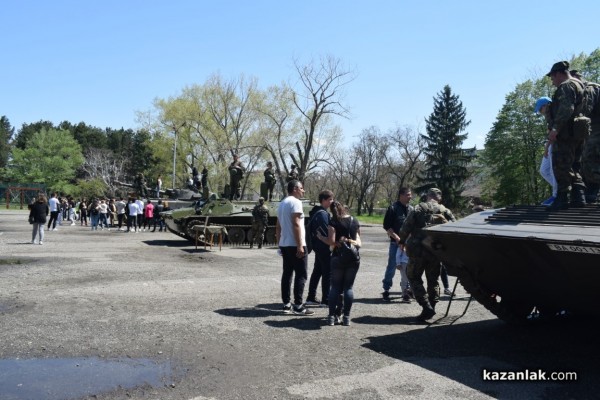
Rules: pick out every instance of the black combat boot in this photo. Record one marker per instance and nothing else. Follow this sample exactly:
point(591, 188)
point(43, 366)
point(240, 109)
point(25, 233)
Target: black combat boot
point(427, 312)
point(577, 196)
point(560, 203)
point(591, 192)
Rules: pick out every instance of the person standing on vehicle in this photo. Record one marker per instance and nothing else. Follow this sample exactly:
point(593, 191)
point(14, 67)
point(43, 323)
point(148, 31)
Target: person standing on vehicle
point(422, 260)
point(236, 173)
point(290, 236)
point(567, 142)
point(392, 222)
point(270, 180)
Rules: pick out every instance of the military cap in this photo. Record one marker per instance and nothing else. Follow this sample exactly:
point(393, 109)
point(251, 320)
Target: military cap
point(559, 66)
point(434, 192)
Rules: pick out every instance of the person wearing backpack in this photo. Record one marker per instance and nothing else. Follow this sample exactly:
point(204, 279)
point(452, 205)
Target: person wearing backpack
point(318, 222)
point(421, 260)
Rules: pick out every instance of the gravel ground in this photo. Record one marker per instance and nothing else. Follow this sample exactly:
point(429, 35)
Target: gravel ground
point(209, 325)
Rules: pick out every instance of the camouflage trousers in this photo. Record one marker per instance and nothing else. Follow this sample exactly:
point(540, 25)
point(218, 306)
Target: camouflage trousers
point(429, 264)
point(236, 188)
point(566, 163)
point(258, 233)
point(590, 158)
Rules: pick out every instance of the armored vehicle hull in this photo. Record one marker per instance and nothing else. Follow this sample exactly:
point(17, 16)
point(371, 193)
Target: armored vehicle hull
point(521, 258)
point(235, 216)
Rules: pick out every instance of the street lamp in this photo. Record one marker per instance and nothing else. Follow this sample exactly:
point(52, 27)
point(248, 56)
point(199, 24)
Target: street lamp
point(174, 158)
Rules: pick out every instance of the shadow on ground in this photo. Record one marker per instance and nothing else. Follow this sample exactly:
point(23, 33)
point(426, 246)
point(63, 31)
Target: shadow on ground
point(301, 322)
point(563, 345)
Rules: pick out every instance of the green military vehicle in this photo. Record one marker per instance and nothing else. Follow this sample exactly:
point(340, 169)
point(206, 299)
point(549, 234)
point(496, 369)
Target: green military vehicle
point(524, 261)
point(235, 216)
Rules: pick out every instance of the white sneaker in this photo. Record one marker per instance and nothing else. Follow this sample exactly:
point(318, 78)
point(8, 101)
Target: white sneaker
point(108, 229)
point(41, 242)
point(55, 229)
point(72, 223)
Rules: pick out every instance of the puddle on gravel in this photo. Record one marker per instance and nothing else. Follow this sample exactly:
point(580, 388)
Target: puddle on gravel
point(69, 378)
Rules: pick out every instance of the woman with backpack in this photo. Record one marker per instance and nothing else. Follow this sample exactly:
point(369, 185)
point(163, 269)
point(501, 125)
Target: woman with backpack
point(343, 237)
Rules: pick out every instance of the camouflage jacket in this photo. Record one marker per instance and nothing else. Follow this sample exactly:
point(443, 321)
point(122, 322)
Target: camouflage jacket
point(269, 175)
point(236, 169)
point(260, 213)
point(423, 215)
point(567, 97)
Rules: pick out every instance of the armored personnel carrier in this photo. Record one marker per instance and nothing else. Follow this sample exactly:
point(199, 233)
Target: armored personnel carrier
point(235, 216)
point(177, 198)
point(523, 258)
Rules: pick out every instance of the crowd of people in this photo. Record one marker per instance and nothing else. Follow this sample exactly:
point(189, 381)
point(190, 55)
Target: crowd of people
point(131, 215)
point(334, 236)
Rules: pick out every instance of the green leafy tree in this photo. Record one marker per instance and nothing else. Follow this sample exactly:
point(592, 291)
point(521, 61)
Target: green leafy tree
point(6, 132)
point(89, 137)
point(446, 160)
point(513, 147)
point(28, 130)
point(51, 157)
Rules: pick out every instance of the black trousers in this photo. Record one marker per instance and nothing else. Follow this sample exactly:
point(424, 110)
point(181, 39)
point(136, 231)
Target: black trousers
point(293, 265)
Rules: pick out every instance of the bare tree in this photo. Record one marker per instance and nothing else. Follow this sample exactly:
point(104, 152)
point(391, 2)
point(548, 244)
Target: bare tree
point(319, 97)
point(102, 164)
point(365, 165)
point(405, 157)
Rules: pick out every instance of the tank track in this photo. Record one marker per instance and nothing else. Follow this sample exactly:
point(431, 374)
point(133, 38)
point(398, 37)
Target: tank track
point(501, 309)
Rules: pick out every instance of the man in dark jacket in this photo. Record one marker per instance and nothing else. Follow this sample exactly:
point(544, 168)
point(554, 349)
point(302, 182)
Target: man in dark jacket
point(319, 220)
point(392, 222)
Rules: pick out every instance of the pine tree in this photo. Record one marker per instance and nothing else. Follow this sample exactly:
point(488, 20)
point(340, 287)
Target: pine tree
point(6, 132)
point(446, 161)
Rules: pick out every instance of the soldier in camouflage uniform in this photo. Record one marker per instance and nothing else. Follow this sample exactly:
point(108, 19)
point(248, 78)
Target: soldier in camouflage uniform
point(421, 260)
point(260, 220)
point(236, 173)
point(293, 175)
point(270, 180)
point(590, 159)
point(140, 185)
point(567, 144)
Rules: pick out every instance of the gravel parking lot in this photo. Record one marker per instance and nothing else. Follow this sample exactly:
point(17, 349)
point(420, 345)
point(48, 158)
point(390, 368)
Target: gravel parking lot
point(112, 315)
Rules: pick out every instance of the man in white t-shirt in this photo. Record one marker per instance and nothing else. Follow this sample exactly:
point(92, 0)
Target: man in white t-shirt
point(133, 209)
point(54, 209)
point(290, 236)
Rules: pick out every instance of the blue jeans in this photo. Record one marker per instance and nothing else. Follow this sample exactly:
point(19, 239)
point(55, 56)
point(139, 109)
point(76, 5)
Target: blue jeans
point(94, 219)
point(342, 282)
point(390, 270)
point(293, 265)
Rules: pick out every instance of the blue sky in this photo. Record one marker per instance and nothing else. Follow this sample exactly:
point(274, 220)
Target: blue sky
point(100, 62)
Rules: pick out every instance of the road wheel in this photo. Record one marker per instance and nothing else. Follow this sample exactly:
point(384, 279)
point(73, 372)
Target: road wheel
point(236, 235)
point(270, 236)
point(189, 228)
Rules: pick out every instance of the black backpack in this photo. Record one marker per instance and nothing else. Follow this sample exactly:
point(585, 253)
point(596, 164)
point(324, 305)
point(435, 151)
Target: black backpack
point(309, 235)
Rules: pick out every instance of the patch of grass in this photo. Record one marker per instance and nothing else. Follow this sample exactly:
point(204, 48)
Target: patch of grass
point(370, 219)
point(10, 261)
